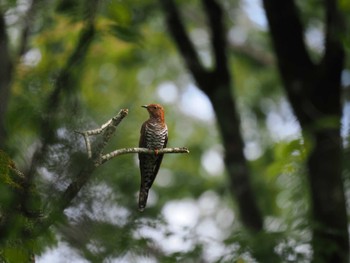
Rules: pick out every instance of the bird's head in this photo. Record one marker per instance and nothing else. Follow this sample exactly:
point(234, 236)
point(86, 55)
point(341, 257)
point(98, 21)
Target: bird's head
point(155, 111)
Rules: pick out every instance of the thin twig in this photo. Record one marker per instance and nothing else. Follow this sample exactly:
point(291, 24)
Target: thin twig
point(118, 152)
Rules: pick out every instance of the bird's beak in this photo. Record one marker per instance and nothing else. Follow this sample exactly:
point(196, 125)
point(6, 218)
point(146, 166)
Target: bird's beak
point(144, 106)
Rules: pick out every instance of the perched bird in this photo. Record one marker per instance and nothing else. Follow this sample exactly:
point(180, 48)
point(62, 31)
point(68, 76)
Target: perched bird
point(154, 135)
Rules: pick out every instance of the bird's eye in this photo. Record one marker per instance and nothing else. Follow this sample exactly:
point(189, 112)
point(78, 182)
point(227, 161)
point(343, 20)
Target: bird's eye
point(155, 107)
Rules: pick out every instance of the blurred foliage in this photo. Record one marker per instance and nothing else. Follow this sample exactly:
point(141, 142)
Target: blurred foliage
point(15, 213)
point(131, 62)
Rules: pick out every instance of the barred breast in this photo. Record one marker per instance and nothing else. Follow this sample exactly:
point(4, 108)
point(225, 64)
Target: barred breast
point(155, 135)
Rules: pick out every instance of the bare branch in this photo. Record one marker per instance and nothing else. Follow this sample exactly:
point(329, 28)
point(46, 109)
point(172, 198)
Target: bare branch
point(96, 131)
point(218, 36)
point(335, 30)
point(87, 142)
point(118, 152)
point(109, 128)
point(335, 26)
point(287, 34)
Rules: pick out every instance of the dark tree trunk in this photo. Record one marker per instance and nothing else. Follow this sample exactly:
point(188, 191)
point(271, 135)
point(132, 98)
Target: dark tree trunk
point(217, 84)
point(314, 93)
point(5, 78)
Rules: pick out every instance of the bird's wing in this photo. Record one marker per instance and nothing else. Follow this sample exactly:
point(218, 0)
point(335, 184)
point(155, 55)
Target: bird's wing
point(142, 141)
point(142, 157)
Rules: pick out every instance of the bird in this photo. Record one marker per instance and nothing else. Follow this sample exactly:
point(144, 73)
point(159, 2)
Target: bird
point(153, 135)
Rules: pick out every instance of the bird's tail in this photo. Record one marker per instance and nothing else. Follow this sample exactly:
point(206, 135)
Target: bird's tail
point(143, 199)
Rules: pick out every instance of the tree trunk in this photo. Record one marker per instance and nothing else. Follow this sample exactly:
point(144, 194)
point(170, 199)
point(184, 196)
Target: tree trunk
point(314, 93)
point(5, 78)
point(217, 84)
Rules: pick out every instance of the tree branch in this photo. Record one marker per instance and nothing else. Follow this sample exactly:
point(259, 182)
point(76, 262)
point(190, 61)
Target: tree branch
point(218, 37)
point(182, 40)
point(118, 152)
point(294, 62)
point(109, 128)
point(65, 80)
point(335, 28)
point(288, 39)
point(332, 64)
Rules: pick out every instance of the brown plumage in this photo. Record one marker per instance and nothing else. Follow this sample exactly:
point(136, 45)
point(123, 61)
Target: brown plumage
point(154, 135)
